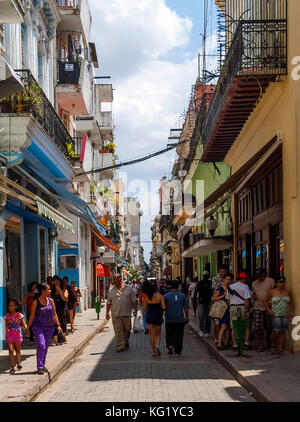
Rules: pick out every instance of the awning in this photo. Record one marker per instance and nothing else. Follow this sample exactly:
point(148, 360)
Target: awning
point(35, 203)
point(205, 247)
point(106, 242)
point(119, 259)
point(73, 204)
point(54, 215)
point(213, 202)
point(103, 271)
point(10, 83)
point(168, 270)
point(29, 217)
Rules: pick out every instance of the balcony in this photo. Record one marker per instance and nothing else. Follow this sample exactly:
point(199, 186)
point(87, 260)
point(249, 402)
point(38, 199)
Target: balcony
point(257, 56)
point(75, 16)
point(102, 161)
point(11, 11)
point(75, 87)
point(32, 100)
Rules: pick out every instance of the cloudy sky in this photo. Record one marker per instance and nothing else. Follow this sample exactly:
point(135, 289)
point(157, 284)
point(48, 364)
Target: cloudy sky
point(149, 48)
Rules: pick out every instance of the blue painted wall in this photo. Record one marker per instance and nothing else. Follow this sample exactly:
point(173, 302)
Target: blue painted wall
point(3, 309)
point(71, 274)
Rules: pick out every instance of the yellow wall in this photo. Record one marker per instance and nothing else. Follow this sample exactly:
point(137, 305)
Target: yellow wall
point(279, 110)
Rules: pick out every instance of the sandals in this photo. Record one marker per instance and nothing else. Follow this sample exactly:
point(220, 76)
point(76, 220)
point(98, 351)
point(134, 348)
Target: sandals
point(20, 367)
point(158, 352)
point(12, 372)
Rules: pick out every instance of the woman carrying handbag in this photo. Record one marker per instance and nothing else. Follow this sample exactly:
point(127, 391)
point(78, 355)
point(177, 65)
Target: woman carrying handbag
point(220, 309)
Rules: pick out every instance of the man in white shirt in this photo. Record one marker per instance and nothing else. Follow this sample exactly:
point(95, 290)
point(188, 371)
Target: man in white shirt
point(191, 295)
point(239, 299)
point(262, 320)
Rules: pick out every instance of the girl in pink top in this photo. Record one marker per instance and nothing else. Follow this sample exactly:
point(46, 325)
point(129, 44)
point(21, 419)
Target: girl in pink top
point(13, 322)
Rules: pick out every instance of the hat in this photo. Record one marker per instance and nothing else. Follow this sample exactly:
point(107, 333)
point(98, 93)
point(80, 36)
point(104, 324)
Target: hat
point(242, 275)
point(205, 273)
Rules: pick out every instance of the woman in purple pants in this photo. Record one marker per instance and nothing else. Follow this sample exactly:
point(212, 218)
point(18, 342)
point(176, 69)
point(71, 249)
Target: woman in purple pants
point(43, 319)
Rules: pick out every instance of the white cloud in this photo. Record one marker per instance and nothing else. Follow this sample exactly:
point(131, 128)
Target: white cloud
point(134, 40)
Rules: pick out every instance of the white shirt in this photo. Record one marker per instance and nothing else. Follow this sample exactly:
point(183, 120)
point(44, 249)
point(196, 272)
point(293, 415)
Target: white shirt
point(192, 289)
point(242, 289)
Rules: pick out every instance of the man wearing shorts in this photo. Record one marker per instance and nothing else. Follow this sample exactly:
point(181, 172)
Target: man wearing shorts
point(241, 299)
point(262, 320)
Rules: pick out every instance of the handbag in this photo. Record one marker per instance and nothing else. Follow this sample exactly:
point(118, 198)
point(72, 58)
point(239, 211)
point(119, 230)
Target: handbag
point(218, 309)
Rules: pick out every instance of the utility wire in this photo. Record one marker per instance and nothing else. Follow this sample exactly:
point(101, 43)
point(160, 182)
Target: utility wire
point(134, 161)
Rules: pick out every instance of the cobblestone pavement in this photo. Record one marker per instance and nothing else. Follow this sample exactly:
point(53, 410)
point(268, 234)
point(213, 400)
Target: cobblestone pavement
point(101, 375)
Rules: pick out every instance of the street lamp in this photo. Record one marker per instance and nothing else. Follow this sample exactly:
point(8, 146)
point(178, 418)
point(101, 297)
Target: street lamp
point(212, 226)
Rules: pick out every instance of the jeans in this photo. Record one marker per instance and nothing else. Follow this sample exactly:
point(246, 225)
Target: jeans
point(174, 335)
point(144, 320)
point(204, 319)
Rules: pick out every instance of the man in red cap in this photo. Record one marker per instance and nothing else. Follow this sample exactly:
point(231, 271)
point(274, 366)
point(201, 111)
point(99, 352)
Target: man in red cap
point(239, 296)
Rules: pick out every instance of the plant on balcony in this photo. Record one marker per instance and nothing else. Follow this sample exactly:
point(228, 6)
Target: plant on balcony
point(29, 99)
point(104, 151)
point(111, 147)
point(70, 148)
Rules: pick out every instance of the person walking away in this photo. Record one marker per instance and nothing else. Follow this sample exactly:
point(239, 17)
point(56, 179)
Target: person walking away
point(191, 295)
point(184, 289)
point(155, 306)
point(60, 295)
point(238, 295)
point(177, 315)
point(224, 323)
point(262, 319)
point(13, 322)
point(43, 319)
point(218, 281)
point(204, 295)
point(142, 298)
point(121, 298)
point(28, 301)
point(72, 304)
point(282, 311)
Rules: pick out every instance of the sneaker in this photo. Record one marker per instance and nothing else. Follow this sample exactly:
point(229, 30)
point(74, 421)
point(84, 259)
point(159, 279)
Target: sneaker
point(178, 354)
point(45, 369)
point(235, 348)
point(207, 335)
point(170, 352)
point(201, 334)
point(247, 346)
point(40, 372)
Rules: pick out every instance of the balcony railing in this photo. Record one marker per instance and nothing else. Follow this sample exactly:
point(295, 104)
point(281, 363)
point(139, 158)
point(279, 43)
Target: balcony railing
point(258, 51)
point(68, 72)
point(34, 101)
point(68, 3)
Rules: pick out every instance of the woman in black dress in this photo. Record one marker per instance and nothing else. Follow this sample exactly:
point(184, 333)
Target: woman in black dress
point(155, 306)
point(60, 296)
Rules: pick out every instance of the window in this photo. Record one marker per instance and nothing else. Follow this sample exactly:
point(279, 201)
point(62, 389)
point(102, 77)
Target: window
point(1, 36)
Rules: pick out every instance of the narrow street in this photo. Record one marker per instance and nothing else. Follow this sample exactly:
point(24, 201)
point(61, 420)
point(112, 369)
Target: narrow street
point(101, 375)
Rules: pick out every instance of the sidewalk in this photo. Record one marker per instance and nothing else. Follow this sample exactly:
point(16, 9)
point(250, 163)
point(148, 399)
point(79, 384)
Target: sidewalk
point(24, 386)
point(270, 378)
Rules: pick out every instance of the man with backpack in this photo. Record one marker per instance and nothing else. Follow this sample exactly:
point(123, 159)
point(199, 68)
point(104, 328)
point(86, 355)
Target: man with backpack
point(239, 296)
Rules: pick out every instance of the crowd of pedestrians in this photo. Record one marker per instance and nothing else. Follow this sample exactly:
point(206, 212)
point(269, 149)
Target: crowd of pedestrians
point(49, 308)
point(265, 304)
point(159, 302)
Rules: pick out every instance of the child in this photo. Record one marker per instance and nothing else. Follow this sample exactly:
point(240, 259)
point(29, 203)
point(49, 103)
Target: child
point(13, 322)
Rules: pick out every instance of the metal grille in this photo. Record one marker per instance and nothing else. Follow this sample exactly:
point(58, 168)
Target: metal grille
point(258, 50)
point(34, 101)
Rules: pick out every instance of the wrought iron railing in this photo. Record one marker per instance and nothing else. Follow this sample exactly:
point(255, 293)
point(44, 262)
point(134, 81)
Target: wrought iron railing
point(258, 51)
point(77, 147)
point(68, 72)
point(33, 100)
point(68, 3)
